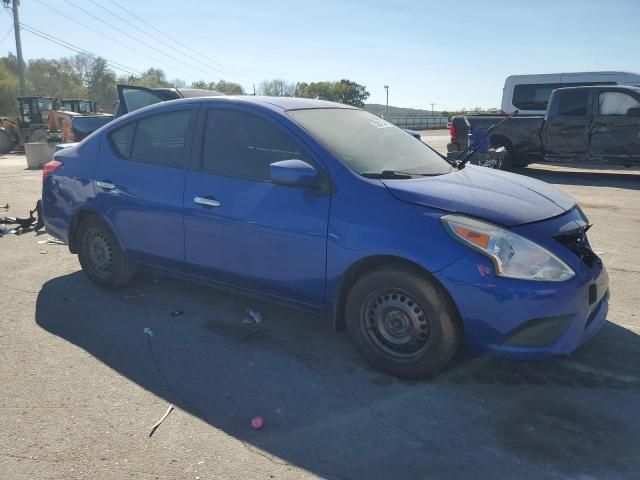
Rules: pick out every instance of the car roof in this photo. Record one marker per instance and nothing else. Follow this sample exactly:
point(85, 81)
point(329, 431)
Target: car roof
point(607, 87)
point(284, 103)
point(279, 104)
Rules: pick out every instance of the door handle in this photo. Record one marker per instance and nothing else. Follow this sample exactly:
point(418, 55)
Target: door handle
point(105, 185)
point(207, 202)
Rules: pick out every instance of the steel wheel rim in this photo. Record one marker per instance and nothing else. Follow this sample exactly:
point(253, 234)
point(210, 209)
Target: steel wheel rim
point(99, 252)
point(396, 324)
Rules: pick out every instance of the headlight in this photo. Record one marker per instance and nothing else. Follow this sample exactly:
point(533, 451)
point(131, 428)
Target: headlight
point(513, 256)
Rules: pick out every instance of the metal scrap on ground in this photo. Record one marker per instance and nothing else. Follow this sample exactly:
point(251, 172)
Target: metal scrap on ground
point(157, 424)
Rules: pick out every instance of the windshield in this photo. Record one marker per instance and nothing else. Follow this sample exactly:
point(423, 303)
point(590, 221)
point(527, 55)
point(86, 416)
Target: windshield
point(369, 144)
point(45, 104)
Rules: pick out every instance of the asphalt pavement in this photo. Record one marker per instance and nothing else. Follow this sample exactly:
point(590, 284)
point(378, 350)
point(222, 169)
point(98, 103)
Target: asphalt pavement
point(85, 373)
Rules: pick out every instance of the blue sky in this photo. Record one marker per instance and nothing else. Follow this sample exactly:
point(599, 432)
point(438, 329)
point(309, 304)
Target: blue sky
point(453, 53)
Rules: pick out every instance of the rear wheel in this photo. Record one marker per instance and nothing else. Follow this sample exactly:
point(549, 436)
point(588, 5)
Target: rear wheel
point(100, 255)
point(402, 322)
point(500, 160)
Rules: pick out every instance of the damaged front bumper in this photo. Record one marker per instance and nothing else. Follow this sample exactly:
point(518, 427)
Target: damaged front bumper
point(530, 319)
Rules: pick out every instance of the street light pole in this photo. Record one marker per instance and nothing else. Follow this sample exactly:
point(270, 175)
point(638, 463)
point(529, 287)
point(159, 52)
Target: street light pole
point(386, 87)
point(16, 29)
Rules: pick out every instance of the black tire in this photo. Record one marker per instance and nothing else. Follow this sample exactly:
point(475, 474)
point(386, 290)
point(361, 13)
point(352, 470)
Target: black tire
point(100, 255)
point(6, 142)
point(402, 322)
point(506, 162)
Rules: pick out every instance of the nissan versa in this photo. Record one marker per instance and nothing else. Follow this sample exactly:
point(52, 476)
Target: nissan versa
point(335, 209)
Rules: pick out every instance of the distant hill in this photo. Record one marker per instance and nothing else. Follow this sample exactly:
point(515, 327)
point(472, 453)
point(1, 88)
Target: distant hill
point(378, 109)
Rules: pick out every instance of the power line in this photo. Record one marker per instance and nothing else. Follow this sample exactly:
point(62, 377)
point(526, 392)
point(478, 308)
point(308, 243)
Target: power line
point(160, 40)
point(109, 37)
point(4, 37)
point(138, 40)
point(186, 47)
point(75, 48)
point(72, 47)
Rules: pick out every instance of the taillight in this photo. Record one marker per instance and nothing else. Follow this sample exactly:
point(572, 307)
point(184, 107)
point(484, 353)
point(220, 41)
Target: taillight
point(50, 167)
point(452, 131)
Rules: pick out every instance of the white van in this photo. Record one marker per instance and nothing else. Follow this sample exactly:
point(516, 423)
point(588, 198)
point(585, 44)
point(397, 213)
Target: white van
point(530, 93)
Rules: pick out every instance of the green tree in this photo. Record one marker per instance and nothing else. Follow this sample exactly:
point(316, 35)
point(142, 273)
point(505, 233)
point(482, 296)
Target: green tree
point(350, 93)
point(101, 85)
point(55, 78)
point(9, 90)
point(277, 88)
point(201, 84)
point(152, 78)
point(344, 91)
point(229, 88)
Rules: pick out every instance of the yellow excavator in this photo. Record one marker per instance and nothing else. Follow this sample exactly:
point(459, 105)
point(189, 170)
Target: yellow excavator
point(40, 119)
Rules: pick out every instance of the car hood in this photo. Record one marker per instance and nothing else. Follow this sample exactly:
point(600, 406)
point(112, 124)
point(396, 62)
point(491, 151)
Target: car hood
point(500, 197)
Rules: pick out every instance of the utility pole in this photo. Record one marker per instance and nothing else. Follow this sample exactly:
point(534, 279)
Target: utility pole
point(16, 29)
point(386, 87)
point(432, 114)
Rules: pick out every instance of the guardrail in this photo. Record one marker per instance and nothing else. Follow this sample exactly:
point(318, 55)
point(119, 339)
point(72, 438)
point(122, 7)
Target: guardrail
point(418, 123)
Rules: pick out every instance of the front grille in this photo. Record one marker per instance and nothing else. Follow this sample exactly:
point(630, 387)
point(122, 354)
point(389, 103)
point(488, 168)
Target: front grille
point(577, 242)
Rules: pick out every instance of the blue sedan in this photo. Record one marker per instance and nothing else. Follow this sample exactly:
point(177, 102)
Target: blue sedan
point(334, 209)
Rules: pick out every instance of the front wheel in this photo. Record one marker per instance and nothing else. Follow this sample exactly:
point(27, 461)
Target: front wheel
point(100, 255)
point(499, 158)
point(402, 322)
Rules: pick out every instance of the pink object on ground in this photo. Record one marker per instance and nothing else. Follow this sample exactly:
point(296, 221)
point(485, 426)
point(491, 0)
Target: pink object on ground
point(257, 422)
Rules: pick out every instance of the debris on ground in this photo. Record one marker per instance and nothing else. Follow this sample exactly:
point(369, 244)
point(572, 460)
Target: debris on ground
point(257, 422)
point(23, 225)
point(4, 207)
point(70, 299)
point(43, 252)
point(51, 241)
point(253, 316)
point(177, 313)
point(148, 331)
point(157, 424)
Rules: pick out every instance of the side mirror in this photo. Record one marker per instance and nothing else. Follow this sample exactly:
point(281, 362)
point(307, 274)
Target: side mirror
point(294, 173)
point(633, 112)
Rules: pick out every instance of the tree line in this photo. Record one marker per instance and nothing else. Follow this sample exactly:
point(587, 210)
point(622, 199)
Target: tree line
point(85, 77)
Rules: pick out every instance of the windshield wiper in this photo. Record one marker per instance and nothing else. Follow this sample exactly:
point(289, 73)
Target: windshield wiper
point(397, 174)
point(386, 174)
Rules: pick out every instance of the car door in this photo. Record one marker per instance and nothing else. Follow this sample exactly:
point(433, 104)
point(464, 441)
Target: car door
point(131, 97)
point(243, 230)
point(139, 184)
point(615, 131)
point(565, 134)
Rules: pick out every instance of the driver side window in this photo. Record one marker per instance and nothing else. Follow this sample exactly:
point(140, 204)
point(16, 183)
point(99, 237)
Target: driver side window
point(240, 144)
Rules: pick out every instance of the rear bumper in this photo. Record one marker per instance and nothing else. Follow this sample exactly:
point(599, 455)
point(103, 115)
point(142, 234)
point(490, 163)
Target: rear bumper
point(526, 319)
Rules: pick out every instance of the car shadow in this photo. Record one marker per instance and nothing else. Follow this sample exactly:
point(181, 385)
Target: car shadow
point(325, 410)
point(617, 178)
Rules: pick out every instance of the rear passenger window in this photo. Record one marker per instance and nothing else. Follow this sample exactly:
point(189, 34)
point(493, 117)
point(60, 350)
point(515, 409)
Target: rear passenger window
point(122, 140)
point(159, 139)
point(573, 103)
point(244, 145)
point(616, 103)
